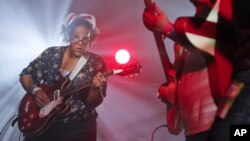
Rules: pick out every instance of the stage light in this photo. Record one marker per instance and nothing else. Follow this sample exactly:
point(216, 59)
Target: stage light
point(122, 56)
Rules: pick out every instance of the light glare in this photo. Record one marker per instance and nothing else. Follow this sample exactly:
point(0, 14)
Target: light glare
point(122, 56)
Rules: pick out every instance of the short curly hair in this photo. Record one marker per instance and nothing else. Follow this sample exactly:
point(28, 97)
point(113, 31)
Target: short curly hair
point(67, 31)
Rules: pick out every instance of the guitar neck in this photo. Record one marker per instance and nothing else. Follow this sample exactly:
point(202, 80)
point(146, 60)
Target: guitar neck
point(123, 70)
point(76, 88)
point(148, 3)
point(167, 65)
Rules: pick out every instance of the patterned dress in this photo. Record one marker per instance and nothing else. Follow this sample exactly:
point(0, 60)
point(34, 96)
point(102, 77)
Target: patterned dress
point(45, 69)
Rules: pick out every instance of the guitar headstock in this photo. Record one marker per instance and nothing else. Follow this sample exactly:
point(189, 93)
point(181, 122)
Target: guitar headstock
point(128, 69)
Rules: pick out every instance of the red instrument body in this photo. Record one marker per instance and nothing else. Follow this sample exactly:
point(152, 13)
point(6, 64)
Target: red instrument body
point(28, 116)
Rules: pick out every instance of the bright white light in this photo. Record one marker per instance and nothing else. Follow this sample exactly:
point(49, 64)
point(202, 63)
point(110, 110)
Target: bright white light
point(122, 56)
point(26, 30)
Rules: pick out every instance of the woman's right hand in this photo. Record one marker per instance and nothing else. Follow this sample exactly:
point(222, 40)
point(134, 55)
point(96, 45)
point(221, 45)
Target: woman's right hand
point(41, 98)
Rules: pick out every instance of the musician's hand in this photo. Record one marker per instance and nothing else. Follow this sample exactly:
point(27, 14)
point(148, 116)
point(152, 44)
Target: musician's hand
point(167, 92)
point(99, 80)
point(41, 98)
point(155, 19)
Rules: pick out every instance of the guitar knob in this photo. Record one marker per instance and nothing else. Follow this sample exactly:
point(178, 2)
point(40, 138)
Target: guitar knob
point(25, 120)
point(29, 124)
point(31, 116)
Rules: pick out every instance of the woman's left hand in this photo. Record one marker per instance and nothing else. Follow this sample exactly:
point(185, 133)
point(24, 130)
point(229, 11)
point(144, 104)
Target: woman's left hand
point(99, 80)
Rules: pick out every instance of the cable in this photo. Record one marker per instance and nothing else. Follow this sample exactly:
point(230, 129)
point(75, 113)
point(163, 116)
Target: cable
point(15, 116)
point(152, 137)
point(14, 121)
point(20, 136)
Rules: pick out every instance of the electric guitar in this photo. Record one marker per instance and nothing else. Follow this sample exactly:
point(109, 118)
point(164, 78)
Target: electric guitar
point(170, 74)
point(168, 67)
point(173, 122)
point(33, 120)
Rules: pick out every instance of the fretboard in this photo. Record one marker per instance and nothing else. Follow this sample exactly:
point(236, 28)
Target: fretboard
point(76, 88)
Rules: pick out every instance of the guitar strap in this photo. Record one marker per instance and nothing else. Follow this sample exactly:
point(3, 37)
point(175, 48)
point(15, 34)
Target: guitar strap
point(81, 62)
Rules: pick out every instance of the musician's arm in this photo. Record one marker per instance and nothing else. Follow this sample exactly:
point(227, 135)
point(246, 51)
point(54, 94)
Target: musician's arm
point(95, 97)
point(97, 90)
point(156, 20)
point(29, 86)
point(179, 52)
point(28, 83)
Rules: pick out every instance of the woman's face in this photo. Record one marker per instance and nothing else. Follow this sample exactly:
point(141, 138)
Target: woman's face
point(79, 41)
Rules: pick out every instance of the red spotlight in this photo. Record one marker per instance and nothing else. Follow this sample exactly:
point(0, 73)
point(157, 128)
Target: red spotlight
point(122, 56)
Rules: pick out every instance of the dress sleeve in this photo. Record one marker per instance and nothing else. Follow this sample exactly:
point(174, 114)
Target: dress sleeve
point(35, 67)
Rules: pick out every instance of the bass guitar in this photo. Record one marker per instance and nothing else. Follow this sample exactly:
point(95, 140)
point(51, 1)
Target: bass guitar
point(173, 121)
point(34, 120)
